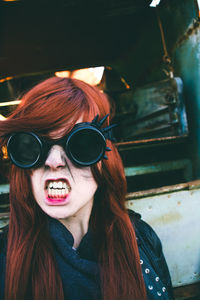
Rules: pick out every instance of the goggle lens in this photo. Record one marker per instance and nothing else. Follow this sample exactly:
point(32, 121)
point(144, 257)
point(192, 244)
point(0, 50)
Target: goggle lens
point(24, 149)
point(85, 147)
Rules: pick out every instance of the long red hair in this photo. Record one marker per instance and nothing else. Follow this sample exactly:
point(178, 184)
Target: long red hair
point(31, 271)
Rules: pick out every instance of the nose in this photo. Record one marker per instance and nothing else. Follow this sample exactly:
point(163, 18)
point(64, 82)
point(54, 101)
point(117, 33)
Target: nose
point(56, 158)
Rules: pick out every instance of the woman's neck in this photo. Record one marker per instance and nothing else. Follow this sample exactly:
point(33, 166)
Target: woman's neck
point(78, 224)
point(78, 230)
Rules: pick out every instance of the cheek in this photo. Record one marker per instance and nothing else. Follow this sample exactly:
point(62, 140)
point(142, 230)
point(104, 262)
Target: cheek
point(87, 190)
point(85, 180)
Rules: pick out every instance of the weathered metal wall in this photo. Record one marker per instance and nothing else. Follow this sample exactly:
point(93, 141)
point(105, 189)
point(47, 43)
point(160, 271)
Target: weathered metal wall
point(175, 216)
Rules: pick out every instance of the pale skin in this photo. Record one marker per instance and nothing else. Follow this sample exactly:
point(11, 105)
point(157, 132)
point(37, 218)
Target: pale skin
point(71, 205)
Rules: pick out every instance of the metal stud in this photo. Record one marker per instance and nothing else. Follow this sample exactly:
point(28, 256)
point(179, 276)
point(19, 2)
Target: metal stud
point(95, 120)
point(147, 271)
point(164, 289)
point(159, 294)
point(150, 287)
point(102, 120)
point(157, 279)
point(108, 128)
point(106, 131)
point(141, 261)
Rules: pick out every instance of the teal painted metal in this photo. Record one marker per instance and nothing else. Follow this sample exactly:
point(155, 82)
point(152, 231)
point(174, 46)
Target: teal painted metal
point(152, 111)
point(187, 61)
point(4, 189)
point(161, 167)
point(3, 222)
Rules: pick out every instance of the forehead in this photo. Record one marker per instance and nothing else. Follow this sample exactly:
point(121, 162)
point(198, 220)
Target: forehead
point(59, 133)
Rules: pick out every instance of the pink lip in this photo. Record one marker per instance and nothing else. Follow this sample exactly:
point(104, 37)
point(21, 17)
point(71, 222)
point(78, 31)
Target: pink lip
point(57, 201)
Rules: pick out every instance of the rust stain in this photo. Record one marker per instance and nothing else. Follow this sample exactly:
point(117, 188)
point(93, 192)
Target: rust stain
point(145, 141)
point(192, 185)
point(192, 30)
point(166, 219)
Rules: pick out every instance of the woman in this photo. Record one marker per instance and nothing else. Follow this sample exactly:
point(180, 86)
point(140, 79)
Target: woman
point(70, 236)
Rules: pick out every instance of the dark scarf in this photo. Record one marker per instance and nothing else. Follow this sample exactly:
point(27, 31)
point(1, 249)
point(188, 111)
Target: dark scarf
point(78, 268)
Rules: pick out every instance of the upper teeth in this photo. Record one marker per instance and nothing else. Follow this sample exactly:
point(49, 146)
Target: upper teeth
point(57, 185)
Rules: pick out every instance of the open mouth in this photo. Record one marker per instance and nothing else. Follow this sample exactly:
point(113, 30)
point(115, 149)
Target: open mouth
point(57, 189)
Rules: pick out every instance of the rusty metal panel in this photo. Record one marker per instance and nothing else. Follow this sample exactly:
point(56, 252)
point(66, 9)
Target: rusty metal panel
point(153, 111)
point(175, 216)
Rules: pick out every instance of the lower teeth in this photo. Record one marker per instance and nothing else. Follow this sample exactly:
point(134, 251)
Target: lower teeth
point(57, 193)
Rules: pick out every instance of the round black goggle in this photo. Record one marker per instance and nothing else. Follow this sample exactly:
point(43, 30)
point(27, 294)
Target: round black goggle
point(84, 145)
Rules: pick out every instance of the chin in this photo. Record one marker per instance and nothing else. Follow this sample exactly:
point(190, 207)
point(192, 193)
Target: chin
point(56, 212)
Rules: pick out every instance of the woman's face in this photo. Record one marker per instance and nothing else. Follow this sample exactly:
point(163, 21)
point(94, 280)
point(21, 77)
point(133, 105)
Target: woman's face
point(61, 189)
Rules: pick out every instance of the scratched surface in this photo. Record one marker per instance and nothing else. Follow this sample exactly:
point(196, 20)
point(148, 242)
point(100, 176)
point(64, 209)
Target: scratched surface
point(176, 219)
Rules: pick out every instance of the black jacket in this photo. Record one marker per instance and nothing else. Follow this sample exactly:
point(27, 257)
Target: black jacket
point(150, 246)
point(79, 270)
